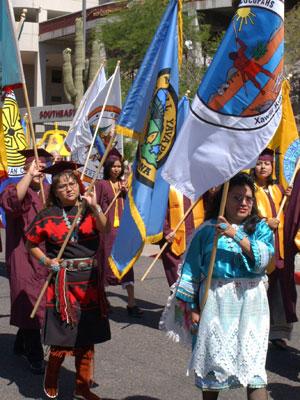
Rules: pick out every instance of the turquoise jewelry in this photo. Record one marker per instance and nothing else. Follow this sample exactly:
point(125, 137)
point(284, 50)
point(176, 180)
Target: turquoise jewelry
point(42, 260)
point(74, 236)
point(223, 226)
point(239, 236)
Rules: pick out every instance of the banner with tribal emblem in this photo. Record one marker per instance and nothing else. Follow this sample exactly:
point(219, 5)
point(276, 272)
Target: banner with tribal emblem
point(14, 136)
point(238, 105)
point(149, 115)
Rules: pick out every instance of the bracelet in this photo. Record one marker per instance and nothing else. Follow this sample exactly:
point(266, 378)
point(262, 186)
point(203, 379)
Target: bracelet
point(239, 236)
point(42, 260)
point(98, 209)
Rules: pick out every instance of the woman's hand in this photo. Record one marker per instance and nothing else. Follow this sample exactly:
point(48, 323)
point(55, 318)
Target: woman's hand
point(288, 191)
point(195, 316)
point(170, 237)
point(91, 199)
point(53, 264)
point(124, 185)
point(223, 227)
point(34, 170)
point(273, 223)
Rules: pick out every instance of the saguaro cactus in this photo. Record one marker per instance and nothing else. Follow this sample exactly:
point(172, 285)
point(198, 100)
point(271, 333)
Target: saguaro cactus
point(84, 70)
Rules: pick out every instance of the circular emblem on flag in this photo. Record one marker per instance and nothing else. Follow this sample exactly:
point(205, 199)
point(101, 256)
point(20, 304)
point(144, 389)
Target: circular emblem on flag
point(160, 131)
point(13, 135)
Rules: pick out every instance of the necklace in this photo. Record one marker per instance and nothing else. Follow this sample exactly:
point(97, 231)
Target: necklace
point(74, 235)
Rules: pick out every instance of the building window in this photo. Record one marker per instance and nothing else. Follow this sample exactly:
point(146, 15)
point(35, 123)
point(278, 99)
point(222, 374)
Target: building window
point(56, 76)
point(56, 99)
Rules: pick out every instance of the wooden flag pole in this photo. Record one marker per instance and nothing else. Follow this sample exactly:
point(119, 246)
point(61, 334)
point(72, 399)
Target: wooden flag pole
point(21, 70)
point(214, 250)
point(291, 182)
point(100, 119)
point(79, 211)
point(167, 243)
point(112, 202)
point(31, 130)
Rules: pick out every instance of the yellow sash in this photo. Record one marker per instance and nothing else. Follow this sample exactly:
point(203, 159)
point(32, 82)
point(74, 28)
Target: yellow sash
point(265, 211)
point(116, 223)
point(297, 239)
point(176, 206)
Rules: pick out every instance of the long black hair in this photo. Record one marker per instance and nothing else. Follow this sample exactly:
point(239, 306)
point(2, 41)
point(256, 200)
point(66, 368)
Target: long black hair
point(108, 166)
point(52, 198)
point(241, 179)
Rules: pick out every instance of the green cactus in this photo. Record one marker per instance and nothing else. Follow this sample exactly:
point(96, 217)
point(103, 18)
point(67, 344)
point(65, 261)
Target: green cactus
point(76, 83)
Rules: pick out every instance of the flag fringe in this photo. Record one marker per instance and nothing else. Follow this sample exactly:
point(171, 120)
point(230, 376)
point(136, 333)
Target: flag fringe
point(122, 130)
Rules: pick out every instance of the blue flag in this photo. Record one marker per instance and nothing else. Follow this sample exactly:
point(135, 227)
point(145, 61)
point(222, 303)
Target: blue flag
point(10, 68)
point(149, 114)
point(237, 108)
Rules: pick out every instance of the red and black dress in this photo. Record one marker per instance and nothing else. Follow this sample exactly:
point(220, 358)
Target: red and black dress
point(75, 310)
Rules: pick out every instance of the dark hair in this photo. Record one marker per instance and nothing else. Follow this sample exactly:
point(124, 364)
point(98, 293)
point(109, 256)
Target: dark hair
point(241, 179)
point(52, 199)
point(108, 166)
point(269, 180)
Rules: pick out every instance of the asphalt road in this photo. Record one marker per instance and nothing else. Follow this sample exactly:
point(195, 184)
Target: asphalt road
point(138, 363)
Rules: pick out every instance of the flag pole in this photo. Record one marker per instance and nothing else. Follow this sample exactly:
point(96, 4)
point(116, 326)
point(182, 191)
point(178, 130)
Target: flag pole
point(214, 249)
point(291, 182)
point(167, 243)
point(21, 23)
point(25, 92)
point(81, 207)
point(112, 202)
point(100, 119)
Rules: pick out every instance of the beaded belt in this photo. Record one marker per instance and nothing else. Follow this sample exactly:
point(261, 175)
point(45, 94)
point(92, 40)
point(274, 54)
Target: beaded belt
point(77, 264)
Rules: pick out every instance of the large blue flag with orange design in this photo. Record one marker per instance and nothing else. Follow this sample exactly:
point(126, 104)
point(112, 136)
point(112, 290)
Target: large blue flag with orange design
point(237, 108)
point(149, 115)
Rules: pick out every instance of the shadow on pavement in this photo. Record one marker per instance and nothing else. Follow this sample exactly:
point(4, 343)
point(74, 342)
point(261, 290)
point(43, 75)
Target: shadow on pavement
point(284, 363)
point(150, 318)
point(15, 370)
point(281, 391)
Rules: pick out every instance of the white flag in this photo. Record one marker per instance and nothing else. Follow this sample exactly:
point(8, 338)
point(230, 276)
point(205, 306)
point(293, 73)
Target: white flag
point(83, 128)
point(79, 133)
point(237, 108)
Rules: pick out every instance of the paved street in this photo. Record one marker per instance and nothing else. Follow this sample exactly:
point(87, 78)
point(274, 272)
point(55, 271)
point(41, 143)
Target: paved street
point(138, 363)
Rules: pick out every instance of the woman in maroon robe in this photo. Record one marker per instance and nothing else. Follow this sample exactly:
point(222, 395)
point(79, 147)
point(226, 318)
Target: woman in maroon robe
point(106, 191)
point(21, 202)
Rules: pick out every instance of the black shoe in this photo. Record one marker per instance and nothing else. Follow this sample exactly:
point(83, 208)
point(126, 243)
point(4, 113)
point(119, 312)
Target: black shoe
point(135, 312)
point(37, 367)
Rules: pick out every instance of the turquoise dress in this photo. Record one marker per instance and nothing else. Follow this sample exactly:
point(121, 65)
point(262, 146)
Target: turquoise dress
point(231, 345)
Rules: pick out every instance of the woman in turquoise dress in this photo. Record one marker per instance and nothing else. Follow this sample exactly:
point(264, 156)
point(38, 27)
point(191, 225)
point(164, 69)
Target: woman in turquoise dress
point(230, 344)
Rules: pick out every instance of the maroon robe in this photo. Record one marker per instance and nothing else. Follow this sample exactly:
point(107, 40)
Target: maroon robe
point(169, 259)
point(105, 195)
point(291, 227)
point(26, 276)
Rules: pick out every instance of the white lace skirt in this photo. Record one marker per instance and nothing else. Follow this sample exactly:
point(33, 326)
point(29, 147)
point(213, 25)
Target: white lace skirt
point(232, 341)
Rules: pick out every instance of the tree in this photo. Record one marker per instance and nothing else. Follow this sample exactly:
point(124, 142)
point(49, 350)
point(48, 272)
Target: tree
point(127, 36)
point(292, 36)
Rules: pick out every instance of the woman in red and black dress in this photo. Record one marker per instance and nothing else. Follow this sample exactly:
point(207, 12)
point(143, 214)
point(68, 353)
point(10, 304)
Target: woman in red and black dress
point(75, 313)
point(106, 190)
